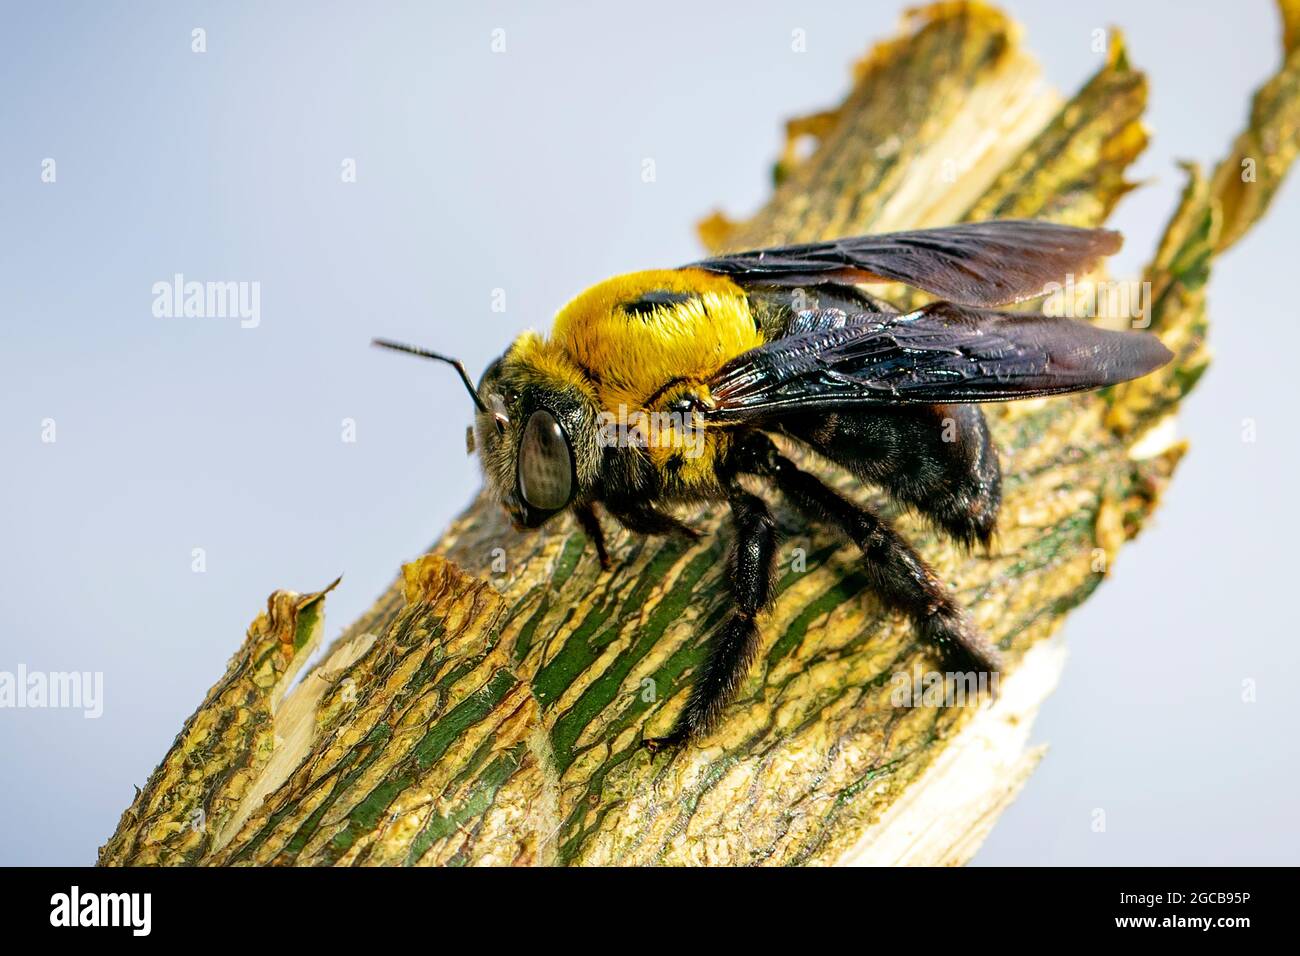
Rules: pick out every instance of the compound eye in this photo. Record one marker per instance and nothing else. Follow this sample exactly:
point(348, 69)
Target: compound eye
point(545, 464)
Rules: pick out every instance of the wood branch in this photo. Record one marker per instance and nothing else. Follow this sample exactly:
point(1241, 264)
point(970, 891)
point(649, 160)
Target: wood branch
point(489, 708)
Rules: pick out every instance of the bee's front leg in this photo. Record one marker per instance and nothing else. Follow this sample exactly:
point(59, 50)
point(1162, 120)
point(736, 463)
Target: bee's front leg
point(731, 651)
point(643, 519)
point(586, 515)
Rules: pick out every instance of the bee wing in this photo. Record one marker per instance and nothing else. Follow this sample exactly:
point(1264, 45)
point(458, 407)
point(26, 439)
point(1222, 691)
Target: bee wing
point(943, 353)
point(978, 263)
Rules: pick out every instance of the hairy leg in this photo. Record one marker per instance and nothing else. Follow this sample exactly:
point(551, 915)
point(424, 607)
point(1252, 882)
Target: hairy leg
point(586, 515)
point(731, 650)
point(897, 573)
point(643, 519)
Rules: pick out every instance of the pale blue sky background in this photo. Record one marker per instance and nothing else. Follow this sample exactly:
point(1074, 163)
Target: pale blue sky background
point(522, 171)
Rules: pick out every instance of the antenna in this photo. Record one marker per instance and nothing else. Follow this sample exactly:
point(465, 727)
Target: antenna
point(457, 364)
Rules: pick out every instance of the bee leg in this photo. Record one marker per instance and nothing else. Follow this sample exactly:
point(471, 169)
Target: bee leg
point(591, 527)
point(731, 650)
point(964, 503)
point(643, 519)
point(897, 573)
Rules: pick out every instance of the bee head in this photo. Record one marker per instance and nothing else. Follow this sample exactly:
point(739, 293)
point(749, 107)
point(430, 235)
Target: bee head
point(536, 432)
point(534, 429)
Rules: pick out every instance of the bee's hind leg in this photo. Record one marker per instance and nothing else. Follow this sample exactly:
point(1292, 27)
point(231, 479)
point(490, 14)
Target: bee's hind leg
point(897, 573)
point(731, 650)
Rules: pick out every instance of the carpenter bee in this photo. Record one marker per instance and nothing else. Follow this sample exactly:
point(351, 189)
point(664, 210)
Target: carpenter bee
point(664, 387)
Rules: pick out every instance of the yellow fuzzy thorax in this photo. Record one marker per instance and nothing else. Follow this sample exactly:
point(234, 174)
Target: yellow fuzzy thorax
point(629, 362)
point(631, 356)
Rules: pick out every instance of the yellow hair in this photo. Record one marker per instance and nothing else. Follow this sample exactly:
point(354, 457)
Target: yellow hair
point(631, 362)
point(632, 355)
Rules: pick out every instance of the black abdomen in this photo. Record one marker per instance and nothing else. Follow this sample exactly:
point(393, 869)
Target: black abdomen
point(938, 459)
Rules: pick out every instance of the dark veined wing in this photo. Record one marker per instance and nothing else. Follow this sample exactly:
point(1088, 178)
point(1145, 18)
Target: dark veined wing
point(943, 353)
point(978, 263)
